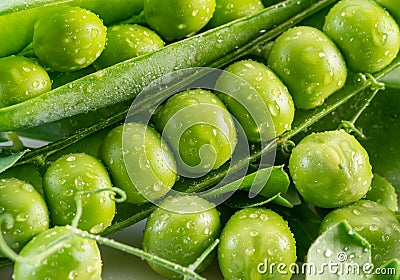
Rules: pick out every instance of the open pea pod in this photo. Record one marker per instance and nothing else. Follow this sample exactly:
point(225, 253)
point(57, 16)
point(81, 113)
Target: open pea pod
point(125, 80)
point(18, 17)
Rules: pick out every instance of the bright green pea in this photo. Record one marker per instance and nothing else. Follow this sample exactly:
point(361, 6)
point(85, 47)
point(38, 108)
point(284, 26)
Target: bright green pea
point(366, 34)
point(229, 10)
point(383, 192)
point(79, 172)
point(309, 64)
point(199, 130)
point(21, 78)
point(74, 258)
point(69, 39)
point(126, 41)
point(175, 19)
point(28, 211)
point(376, 223)
point(139, 162)
point(330, 169)
point(253, 240)
point(272, 109)
point(179, 230)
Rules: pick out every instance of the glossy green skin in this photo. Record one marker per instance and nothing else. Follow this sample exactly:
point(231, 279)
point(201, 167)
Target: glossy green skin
point(376, 223)
point(175, 19)
point(252, 236)
point(199, 130)
point(179, 230)
point(77, 258)
point(139, 162)
point(79, 172)
point(69, 39)
point(20, 79)
point(273, 108)
point(383, 192)
point(367, 35)
point(126, 41)
point(228, 10)
point(28, 210)
point(330, 169)
point(309, 64)
point(392, 6)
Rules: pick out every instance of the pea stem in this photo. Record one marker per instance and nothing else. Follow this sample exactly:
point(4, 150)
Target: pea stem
point(349, 126)
point(187, 272)
point(204, 255)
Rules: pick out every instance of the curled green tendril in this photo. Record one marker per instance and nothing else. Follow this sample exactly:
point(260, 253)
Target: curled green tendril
point(78, 201)
point(350, 128)
point(287, 146)
point(375, 84)
point(375, 87)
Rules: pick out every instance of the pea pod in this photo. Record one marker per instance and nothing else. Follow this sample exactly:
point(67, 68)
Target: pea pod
point(124, 81)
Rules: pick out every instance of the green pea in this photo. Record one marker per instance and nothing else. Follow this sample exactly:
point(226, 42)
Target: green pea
point(28, 211)
point(229, 10)
point(69, 39)
point(199, 129)
point(179, 230)
point(264, 116)
point(309, 64)
point(252, 241)
point(21, 78)
point(74, 257)
point(383, 192)
point(79, 172)
point(330, 169)
point(126, 41)
point(175, 19)
point(376, 223)
point(366, 34)
point(139, 161)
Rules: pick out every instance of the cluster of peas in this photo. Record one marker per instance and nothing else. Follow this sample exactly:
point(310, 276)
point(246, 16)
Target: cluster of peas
point(306, 66)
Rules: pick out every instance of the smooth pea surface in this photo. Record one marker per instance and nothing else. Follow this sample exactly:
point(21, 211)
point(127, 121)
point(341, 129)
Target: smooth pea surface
point(126, 41)
point(228, 10)
point(139, 161)
point(27, 209)
point(383, 192)
point(367, 35)
point(180, 229)
point(74, 257)
point(175, 19)
point(264, 116)
point(69, 39)
point(309, 64)
point(330, 169)
point(251, 241)
point(199, 129)
point(79, 172)
point(20, 79)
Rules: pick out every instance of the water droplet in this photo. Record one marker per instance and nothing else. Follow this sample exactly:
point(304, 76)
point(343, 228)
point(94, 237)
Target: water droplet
point(328, 253)
point(71, 158)
point(274, 109)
